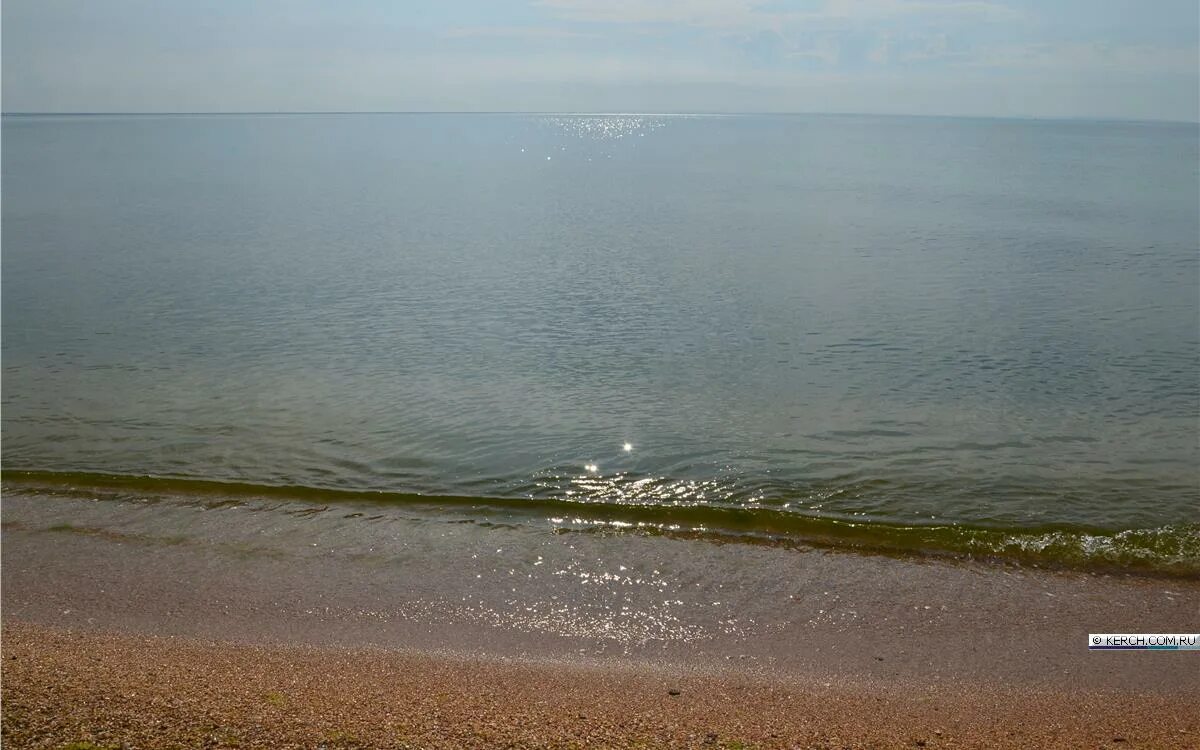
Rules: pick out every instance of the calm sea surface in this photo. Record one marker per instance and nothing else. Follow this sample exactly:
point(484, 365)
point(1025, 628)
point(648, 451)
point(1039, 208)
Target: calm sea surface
point(920, 323)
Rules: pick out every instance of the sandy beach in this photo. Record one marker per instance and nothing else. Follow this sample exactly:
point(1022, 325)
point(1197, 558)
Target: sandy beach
point(136, 691)
point(119, 634)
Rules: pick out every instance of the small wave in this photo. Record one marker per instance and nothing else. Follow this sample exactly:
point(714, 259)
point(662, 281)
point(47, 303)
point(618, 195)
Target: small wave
point(1168, 550)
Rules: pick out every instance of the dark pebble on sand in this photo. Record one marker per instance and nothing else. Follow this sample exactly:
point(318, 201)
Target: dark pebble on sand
point(672, 691)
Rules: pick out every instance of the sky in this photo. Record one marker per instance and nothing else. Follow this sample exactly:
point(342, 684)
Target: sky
point(1122, 59)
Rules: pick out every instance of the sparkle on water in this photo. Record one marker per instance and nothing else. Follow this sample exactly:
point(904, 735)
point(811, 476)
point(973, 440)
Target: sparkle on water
point(903, 320)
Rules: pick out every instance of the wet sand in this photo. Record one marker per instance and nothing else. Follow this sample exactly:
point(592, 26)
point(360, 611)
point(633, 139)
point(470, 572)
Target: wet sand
point(151, 624)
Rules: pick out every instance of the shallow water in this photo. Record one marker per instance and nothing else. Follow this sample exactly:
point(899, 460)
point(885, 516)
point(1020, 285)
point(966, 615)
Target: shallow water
point(484, 580)
point(904, 321)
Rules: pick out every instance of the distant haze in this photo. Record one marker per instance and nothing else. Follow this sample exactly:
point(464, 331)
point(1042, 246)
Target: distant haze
point(1024, 58)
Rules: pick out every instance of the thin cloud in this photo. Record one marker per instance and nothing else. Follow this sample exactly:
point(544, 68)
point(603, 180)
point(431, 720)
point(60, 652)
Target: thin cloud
point(515, 32)
point(703, 13)
point(740, 14)
point(1091, 57)
point(1067, 58)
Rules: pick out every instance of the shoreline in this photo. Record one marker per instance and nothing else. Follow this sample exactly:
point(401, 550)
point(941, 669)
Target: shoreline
point(1168, 550)
point(124, 614)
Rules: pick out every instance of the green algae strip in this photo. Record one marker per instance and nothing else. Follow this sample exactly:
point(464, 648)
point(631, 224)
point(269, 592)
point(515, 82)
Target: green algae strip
point(1171, 550)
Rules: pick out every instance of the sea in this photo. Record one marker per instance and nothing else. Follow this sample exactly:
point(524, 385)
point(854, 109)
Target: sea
point(968, 338)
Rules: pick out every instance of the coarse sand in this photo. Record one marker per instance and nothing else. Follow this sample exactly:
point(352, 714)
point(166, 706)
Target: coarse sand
point(77, 689)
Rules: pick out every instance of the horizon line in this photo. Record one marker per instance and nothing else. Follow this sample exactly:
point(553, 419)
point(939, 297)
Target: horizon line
point(227, 113)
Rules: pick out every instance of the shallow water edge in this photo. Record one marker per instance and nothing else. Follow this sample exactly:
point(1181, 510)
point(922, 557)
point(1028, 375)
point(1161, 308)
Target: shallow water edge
point(1171, 550)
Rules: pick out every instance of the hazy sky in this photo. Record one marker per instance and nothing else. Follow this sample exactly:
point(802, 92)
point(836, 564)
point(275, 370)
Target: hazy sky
point(1073, 58)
